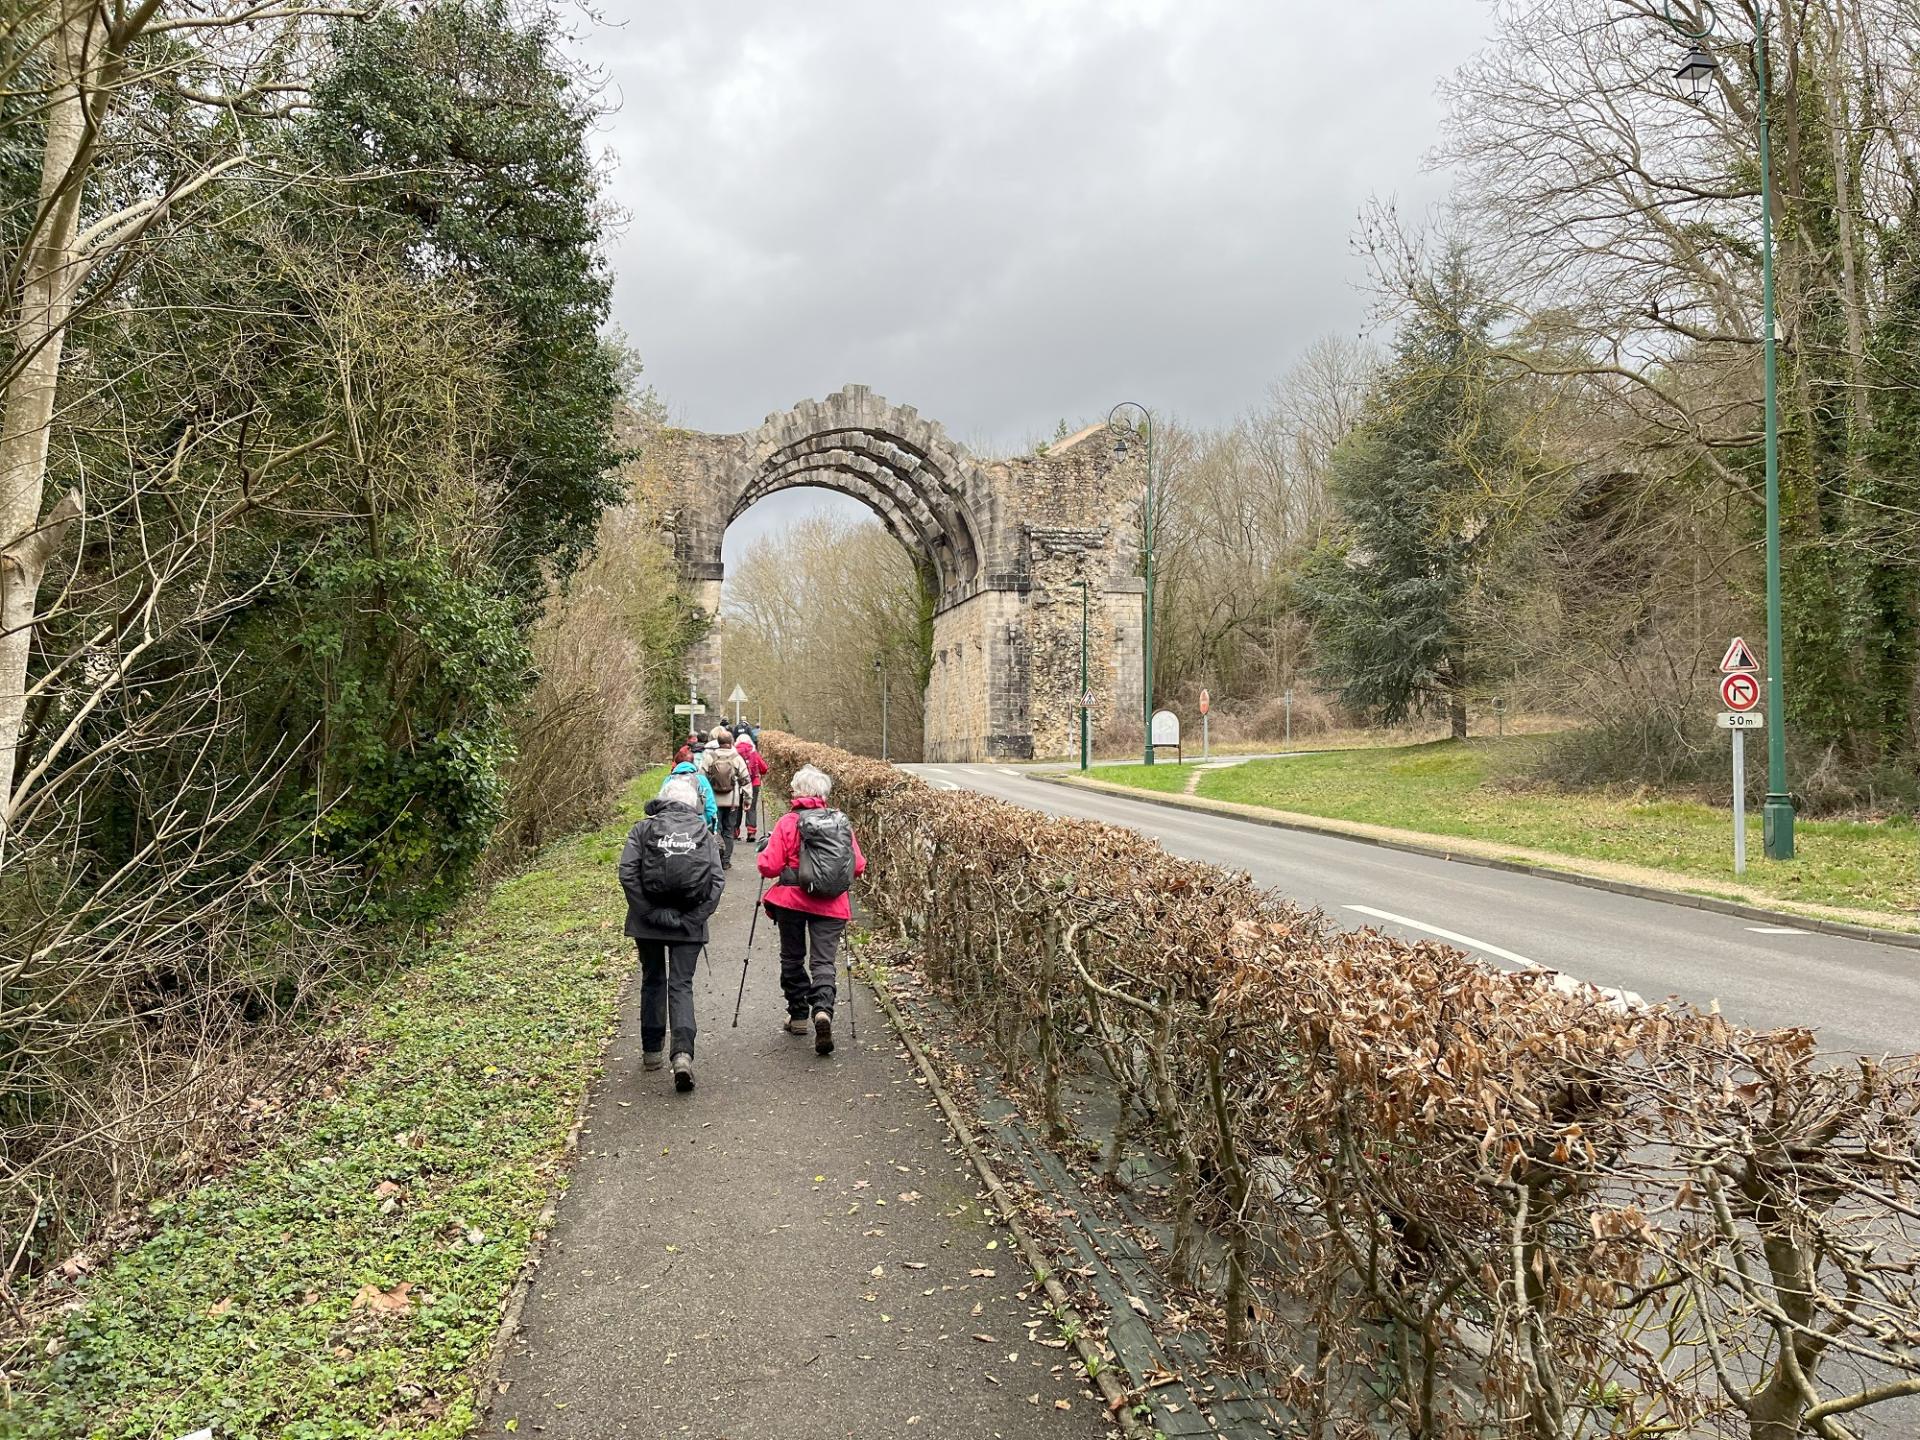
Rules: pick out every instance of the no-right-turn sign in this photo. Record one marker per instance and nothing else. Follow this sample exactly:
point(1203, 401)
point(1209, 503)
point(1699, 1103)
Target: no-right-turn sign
point(1740, 690)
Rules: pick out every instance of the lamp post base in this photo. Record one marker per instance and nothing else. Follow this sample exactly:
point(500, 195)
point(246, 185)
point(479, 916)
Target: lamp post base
point(1776, 818)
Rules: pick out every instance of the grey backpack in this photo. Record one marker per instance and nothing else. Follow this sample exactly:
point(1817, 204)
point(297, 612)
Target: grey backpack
point(826, 853)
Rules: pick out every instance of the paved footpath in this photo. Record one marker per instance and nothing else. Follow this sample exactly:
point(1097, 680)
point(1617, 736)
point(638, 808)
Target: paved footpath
point(789, 1251)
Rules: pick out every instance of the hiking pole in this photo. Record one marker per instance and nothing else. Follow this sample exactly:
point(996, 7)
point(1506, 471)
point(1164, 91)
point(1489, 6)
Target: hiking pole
point(752, 925)
point(853, 1012)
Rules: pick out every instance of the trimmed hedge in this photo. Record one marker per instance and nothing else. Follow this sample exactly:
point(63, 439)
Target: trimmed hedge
point(1504, 1202)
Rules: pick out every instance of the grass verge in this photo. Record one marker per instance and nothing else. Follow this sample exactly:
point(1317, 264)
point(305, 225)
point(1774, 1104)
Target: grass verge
point(1467, 789)
point(348, 1281)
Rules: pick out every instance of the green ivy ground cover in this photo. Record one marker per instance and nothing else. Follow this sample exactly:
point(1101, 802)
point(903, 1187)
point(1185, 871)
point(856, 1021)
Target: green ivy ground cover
point(348, 1281)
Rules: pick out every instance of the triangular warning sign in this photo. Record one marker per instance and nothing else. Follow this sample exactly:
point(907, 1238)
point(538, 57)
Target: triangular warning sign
point(1738, 658)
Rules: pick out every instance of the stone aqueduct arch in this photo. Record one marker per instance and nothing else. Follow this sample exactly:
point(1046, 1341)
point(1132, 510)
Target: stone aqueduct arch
point(1004, 542)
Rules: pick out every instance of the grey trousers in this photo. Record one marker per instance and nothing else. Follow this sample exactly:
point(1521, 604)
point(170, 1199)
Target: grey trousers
point(809, 953)
point(666, 994)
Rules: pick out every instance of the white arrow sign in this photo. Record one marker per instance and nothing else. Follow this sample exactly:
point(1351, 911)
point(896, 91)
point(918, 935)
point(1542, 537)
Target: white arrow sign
point(737, 697)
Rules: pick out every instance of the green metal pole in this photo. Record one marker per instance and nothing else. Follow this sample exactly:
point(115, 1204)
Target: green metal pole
point(1777, 812)
point(1146, 646)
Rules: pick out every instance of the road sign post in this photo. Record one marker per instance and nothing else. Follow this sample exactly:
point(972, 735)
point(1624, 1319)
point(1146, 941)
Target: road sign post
point(1739, 802)
point(1206, 733)
point(737, 699)
point(1740, 692)
point(1289, 699)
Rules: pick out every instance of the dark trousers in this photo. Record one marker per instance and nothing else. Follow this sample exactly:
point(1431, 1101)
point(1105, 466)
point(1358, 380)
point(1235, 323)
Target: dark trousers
point(809, 952)
point(666, 994)
point(729, 826)
point(752, 817)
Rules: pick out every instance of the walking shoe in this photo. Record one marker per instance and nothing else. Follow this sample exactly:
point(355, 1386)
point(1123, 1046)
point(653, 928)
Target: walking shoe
point(796, 1025)
point(683, 1073)
point(653, 1059)
point(822, 1033)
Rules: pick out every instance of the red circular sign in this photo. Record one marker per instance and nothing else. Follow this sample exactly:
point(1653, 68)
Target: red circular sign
point(1740, 691)
point(1206, 702)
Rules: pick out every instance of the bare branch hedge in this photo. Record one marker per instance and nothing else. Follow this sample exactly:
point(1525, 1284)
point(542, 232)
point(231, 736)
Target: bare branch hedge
point(1500, 1203)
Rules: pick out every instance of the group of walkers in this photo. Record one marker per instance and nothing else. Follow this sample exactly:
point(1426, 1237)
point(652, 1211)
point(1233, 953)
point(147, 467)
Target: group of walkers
point(674, 872)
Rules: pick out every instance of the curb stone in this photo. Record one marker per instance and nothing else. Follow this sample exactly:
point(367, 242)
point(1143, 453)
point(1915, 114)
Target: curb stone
point(487, 1383)
point(1903, 939)
point(1119, 1400)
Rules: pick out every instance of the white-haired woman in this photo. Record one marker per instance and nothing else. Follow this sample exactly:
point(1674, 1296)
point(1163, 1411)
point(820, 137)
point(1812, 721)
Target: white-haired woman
point(814, 856)
point(670, 871)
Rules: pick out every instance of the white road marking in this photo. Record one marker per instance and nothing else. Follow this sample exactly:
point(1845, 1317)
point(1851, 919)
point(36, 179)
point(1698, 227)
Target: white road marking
point(1775, 930)
point(1562, 980)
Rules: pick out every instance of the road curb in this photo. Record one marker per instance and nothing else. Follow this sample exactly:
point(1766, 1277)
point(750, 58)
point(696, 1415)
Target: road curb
point(1903, 939)
point(488, 1381)
point(1120, 1400)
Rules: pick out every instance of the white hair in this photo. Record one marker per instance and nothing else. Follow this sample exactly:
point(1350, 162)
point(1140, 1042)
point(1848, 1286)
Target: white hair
point(808, 780)
point(681, 790)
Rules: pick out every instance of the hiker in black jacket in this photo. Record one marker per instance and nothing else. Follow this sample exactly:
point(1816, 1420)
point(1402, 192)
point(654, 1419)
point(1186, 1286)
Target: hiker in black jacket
point(671, 873)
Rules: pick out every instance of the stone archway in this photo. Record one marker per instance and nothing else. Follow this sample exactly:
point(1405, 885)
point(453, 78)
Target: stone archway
point(1005, 543)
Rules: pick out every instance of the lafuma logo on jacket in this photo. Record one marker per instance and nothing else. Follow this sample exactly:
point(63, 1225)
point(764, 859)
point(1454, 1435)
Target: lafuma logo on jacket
point(672, 844)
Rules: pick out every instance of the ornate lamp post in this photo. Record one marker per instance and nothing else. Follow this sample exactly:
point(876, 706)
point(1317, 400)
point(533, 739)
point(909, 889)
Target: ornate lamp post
point(1697, 72)
point(1122, 431)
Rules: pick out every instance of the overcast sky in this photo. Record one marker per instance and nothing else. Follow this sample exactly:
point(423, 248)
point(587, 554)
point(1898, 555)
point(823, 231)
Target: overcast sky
point(1004, 213)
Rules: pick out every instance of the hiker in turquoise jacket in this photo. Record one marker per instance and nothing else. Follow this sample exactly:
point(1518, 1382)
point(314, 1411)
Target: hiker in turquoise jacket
point(707, 803)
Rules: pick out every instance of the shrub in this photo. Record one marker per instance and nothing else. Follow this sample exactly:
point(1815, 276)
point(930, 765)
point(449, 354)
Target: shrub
point(1509, 1203)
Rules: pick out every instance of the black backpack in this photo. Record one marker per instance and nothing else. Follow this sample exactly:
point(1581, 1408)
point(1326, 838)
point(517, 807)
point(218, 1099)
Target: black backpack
point(826, 853)
point(673, 870)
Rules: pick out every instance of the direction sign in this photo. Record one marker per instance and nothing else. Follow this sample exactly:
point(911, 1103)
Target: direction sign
point(737, 697)
point(1206, 701)
point(1742, 720)
point(1740, 691)
point(688, 709)
point(1738, 657)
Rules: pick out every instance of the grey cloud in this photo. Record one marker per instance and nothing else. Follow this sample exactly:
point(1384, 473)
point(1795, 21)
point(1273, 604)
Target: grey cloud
point(1006, 213)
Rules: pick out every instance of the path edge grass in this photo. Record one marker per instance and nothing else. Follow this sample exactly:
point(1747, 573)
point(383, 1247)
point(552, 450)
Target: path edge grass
point(256, 1305)
point(1890, 927)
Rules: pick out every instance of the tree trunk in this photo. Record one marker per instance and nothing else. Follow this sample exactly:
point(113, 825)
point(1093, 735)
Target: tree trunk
point(1457, 714)
point(51, 275)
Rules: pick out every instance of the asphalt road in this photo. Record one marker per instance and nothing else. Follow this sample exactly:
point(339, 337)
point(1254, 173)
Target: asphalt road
point(1863, 998)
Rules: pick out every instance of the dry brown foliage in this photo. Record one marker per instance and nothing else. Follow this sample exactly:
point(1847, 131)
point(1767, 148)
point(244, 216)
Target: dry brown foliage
point(1512, 1206)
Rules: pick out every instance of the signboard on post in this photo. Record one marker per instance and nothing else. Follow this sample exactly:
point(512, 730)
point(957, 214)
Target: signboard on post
point(737, 699)
point(1740, 691)
point(1206, 701)
point(1164, 732)
point(1206, 725)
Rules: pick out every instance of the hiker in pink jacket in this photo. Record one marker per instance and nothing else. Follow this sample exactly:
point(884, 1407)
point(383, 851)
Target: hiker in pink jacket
point(814, 858)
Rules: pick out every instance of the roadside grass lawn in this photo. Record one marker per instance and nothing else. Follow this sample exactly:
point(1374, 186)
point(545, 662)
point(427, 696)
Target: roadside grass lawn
point(1467, 788)
point(348, 1280)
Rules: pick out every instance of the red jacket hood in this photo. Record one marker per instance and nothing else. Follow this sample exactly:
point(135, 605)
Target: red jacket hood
point(809, 802)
